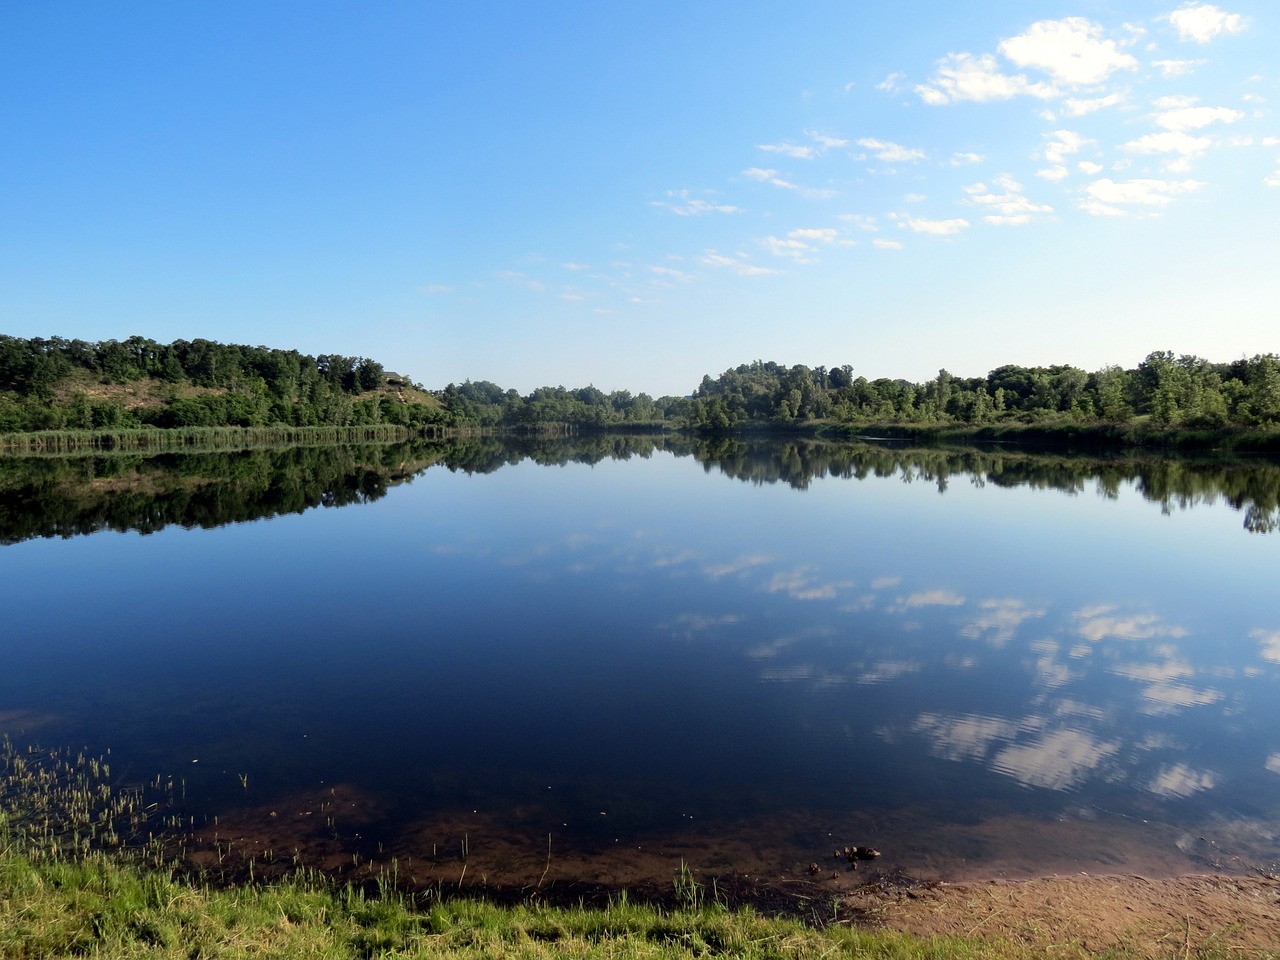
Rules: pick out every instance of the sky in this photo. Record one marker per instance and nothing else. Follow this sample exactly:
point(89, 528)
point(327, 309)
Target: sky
point(633, 195)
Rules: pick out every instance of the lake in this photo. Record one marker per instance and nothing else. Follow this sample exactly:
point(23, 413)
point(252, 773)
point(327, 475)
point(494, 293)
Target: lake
point(553, 661)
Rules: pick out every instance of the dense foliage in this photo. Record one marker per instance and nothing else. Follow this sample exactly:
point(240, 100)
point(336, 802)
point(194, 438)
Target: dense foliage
point(1167, 390)
point(59, 384)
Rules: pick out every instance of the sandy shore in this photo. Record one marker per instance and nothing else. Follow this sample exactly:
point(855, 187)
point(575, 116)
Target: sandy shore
point(1157, 918)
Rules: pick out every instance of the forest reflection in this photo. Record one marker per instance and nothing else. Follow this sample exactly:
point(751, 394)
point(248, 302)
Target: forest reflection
point(77, 495)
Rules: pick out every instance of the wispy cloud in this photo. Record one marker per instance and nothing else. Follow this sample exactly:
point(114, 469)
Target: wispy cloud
point(682, 204)
point(936, 228)
point(891, 152)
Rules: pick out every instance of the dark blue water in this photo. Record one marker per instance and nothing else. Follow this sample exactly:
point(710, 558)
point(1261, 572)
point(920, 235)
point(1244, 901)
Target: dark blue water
point(621, 650)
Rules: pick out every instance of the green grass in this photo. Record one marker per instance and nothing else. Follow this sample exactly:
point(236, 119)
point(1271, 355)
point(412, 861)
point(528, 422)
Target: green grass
point(95, 907)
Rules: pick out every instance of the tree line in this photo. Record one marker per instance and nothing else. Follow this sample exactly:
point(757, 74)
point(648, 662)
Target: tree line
point(1165, 389)
point(60, 384)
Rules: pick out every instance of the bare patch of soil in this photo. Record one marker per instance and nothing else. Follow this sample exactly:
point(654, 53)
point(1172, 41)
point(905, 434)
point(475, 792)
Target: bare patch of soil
point(1153, 918)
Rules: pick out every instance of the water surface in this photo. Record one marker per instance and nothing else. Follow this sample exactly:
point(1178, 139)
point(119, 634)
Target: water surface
point(739, 655)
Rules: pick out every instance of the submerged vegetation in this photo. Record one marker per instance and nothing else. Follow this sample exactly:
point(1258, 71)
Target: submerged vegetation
point(111, 393)
point(86, 869)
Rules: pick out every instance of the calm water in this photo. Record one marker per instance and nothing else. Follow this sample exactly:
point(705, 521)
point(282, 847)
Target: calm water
point(739, 656)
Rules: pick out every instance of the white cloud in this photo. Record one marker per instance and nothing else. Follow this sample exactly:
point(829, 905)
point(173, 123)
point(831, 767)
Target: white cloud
point(824, 141)
point(1193, 118)
point(962, 76)
point(861, 221)
point(891, 152)
point(1071, 50)
point(1201, 22)
point(575, 266)
point(1009, 208)
point(1053, 174)
point(799, 152)
point(892, 83)
point(1061, 143)
point(1183, 145)
point(1079, 108)
point(761, 175)
point(937, 228)
point(790, 247)
point(882, 244)
point(683, 205)
point(738, 264)
point(670, 272)
point(1177, 68)
point(821, 234)
point(962, 159)
point(1103, 198)
point(1089, 167)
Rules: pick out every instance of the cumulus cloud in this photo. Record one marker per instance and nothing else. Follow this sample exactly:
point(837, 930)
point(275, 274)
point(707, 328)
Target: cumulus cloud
point(1183, 118)
point(1073, 51)
point(881, 244)
point(963, 159)
point(962, 76)
point(1201, 22)
point(891, 152)
point(1062, 143)
point(1009, 207)
point(1182, 144)
point(1104, 197)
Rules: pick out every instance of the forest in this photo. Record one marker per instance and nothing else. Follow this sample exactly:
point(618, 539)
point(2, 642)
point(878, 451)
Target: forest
point(60, 384)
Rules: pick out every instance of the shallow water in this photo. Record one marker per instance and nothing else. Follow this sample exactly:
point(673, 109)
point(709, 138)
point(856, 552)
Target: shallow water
point(979, 663)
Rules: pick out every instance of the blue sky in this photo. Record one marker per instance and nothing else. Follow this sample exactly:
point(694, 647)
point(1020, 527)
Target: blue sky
point(633, 195)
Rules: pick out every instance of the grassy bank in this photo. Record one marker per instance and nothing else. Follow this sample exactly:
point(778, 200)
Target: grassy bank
point(95, 907)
